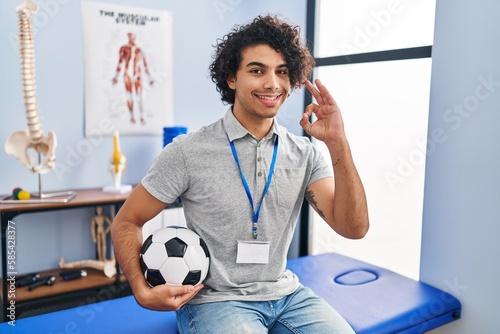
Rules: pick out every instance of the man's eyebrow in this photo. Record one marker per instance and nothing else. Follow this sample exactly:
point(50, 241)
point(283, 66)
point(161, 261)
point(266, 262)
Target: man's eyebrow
point(259, 64)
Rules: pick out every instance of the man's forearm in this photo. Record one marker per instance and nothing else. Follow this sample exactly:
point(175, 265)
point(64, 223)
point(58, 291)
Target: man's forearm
point(127, 240)
point(350, 209)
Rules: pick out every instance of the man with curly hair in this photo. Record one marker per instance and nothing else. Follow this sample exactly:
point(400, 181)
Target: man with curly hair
point(242, 181)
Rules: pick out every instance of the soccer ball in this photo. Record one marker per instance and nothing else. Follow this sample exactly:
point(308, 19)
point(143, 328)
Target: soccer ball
point(174, 255)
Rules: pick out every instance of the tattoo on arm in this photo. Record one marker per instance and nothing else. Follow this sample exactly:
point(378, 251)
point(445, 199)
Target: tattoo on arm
point(312, 201)
point(336, 163)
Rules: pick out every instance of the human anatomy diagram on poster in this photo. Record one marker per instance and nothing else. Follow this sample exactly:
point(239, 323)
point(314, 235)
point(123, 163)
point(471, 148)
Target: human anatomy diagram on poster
point(128, 69)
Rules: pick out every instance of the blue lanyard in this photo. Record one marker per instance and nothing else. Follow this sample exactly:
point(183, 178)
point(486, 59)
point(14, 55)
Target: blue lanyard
point(245, 184)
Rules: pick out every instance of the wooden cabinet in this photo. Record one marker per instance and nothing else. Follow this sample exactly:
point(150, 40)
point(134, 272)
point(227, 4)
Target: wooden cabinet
point(62, 294)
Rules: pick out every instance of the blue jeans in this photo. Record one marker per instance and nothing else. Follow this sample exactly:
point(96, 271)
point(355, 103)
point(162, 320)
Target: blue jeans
point(300, 312)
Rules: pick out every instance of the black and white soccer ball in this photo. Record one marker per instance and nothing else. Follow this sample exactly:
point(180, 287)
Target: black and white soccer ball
point(174, 255)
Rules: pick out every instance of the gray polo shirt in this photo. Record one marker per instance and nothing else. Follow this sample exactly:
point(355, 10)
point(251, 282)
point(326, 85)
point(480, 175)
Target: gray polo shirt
point(200, 169)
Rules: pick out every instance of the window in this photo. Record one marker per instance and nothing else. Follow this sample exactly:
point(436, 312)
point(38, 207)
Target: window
point(374, 56)
point(348, 27)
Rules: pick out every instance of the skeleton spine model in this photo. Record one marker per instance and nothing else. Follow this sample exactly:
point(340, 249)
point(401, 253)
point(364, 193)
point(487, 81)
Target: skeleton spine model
point(20, 142)
point(108, 267)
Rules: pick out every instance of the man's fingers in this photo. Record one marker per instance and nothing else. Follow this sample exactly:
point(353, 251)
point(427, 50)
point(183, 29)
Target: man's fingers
point(177, 291)
point(311, 108)
point(175, 296)
point(304, 123)
point(320, 93)
point(327, 98)
point(314, 92)
point(184, 289)
point(189, 293)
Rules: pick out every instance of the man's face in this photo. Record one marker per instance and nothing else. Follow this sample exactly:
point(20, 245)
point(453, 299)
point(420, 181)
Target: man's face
point(261, 83)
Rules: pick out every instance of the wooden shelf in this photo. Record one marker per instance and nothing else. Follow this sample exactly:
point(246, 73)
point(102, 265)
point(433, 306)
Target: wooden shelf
point(50, 295)
point(95, 278)
point(84, 197)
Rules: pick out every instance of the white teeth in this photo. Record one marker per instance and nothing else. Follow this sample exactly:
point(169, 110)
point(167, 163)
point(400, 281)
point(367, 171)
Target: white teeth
point(268, 97)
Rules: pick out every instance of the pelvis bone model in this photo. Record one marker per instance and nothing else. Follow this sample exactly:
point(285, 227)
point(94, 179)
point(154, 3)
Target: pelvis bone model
point(21, 142)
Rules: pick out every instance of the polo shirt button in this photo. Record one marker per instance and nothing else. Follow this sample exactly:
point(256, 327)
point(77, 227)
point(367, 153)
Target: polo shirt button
point(259, 159)
point(259, 174)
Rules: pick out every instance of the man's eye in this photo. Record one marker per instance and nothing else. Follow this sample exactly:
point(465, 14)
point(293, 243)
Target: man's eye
point(283, 72)
point(256, 71)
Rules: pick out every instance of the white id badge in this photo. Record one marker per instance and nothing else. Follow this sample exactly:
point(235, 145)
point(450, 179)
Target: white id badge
point(253, 252)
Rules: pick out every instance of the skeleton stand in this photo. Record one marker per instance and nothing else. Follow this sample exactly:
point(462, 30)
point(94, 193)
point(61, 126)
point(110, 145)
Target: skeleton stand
point(40, 197)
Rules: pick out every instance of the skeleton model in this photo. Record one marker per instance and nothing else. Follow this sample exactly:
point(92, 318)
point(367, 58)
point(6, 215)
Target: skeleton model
point(20, 142)
point(117, 163)
point(108, 267)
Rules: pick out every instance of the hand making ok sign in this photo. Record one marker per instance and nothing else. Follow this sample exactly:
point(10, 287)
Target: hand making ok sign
point(329, 125)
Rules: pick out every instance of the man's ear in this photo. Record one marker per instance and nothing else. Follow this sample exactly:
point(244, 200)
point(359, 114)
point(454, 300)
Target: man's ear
point(231, 81)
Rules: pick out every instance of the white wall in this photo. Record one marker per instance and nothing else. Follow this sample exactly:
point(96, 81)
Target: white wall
point(461, 222)
point(59, 76)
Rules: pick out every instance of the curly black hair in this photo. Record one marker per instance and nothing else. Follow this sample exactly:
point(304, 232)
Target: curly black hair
point(267, 30)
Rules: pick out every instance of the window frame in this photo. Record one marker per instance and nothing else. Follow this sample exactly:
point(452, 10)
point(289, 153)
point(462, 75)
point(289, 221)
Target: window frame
point(386, 55)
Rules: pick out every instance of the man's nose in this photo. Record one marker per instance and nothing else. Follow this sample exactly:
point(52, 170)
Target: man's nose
point(272, 81)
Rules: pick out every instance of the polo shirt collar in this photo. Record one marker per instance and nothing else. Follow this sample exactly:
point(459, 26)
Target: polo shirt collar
point(235, 130)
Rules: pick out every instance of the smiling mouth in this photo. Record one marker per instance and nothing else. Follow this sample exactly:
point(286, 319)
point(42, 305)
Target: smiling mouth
point(269, 98)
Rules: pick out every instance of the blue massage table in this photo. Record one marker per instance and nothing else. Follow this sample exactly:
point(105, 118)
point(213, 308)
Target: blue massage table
point(372, 300)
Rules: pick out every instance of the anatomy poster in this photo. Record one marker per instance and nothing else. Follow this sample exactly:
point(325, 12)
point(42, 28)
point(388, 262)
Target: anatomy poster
point(128, 69)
